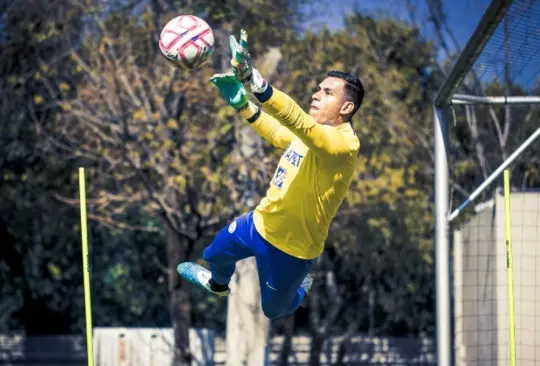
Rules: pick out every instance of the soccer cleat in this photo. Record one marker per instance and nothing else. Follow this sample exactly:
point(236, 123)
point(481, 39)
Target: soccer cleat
point(306, 286)
point(307, 283)
point(198, 275)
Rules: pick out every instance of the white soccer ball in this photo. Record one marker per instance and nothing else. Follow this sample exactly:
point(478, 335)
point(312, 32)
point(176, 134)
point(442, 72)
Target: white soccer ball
point(187, 41)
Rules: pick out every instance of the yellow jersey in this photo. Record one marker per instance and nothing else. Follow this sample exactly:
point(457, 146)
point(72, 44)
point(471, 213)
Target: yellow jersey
point(311, 179)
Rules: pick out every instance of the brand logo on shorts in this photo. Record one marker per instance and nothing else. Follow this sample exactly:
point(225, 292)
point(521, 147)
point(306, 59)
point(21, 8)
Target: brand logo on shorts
point(232, 227)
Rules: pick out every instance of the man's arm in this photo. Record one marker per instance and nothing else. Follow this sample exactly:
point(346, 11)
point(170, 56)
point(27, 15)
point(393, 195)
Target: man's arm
point(323, 140)
point(268, 127)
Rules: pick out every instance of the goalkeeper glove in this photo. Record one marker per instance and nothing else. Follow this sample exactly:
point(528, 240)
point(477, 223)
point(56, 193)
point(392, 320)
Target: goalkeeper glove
point(242, 66)
point(231, 90)
point(241, 59)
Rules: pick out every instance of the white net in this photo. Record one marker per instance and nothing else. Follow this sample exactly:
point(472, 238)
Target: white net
point(483, 136)
point(481, 295)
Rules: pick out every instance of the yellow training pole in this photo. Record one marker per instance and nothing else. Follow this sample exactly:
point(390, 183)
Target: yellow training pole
point(86, 269)
point(509, 268)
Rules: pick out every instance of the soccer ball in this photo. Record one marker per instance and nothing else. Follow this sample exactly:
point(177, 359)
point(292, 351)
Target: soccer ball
point(187, 41)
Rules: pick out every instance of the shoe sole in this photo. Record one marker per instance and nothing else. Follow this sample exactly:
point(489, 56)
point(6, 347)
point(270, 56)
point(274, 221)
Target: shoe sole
point(198, 275)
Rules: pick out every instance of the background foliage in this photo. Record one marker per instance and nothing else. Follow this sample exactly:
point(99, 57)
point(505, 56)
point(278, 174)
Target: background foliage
point(87, 86)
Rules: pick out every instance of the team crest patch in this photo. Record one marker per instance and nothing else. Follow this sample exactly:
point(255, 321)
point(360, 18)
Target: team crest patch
point(279, 177)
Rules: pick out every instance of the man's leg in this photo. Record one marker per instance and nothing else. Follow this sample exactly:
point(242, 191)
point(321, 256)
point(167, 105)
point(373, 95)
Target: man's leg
point(228, 247)
point(281, 277)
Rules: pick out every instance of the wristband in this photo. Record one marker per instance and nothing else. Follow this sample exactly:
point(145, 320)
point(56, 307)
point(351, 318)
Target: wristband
point(254, 117)
point(251, 113)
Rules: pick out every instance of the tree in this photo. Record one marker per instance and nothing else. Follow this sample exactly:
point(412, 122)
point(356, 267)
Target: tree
point(130, 122)
point(151, 138)
point(247, 326)
point(34, 38)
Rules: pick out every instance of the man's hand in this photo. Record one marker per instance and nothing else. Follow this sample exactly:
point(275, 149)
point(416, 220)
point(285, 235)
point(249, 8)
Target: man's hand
point(231, 90)
point(240, 57)
point(241, 63)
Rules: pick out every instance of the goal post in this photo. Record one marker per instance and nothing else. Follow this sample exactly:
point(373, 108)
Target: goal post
point(502, 24)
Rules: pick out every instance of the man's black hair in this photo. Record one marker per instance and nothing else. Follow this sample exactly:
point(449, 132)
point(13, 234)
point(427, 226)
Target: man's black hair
point(354, 90)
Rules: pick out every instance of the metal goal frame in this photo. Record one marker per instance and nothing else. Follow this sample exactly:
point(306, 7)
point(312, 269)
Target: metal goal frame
point(444, 99)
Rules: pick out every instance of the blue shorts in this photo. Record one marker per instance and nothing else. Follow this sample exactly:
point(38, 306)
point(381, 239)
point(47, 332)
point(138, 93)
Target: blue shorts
point(280, 275)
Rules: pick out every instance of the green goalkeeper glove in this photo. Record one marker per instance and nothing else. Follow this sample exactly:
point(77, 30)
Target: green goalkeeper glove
point(231, 90)
point(241, 59)
point(242, 66)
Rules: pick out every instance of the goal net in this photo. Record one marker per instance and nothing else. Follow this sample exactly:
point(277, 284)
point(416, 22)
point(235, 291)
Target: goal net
point(490, 108)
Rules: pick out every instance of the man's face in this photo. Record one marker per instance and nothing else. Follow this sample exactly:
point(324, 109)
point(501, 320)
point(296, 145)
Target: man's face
point(328, 101)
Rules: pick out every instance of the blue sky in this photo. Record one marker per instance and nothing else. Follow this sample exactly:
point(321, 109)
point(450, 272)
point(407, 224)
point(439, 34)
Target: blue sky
point(463, 15)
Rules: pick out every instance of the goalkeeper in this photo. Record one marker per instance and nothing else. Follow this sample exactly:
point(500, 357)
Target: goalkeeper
point(287, 230)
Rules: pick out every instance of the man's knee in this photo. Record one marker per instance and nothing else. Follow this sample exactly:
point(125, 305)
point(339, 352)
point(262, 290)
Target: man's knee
point(275, 306)
point(273, 312)
point(220, 248)
point(207, 254)
point(215, 252)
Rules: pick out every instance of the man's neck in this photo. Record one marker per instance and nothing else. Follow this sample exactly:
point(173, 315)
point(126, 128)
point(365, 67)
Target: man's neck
point(336, 122)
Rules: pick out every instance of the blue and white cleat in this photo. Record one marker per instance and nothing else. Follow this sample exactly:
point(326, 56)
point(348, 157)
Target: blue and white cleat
point(307, 283)
point(198, 275)
point(306, 286)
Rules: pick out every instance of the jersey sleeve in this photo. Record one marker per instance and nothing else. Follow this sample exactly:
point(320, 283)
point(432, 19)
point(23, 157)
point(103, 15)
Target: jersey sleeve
point(272, 131)
point(268, 127)
point(325, 141)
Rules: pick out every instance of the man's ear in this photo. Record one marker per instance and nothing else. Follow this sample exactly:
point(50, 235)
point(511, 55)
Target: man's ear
point(347, 107)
